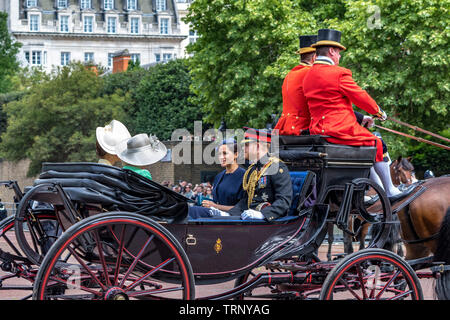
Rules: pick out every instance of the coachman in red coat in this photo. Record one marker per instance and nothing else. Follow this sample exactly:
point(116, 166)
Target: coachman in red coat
point(295, 116)
point(330, 92)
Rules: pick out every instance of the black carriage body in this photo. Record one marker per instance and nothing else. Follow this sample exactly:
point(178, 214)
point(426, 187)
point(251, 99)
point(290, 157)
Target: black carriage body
point(218, 249)
point(334, 165)
point(221, 249)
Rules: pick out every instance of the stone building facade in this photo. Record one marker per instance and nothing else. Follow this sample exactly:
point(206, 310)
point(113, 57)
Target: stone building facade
point(55, 32)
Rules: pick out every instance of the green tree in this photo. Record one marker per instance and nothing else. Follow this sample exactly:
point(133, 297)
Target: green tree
point(244, 51)
point(161, 100)
point(397, 51)
point(8, 51)
point(56, 120)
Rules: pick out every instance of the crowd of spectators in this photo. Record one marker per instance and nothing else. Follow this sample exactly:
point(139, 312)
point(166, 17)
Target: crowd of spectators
point(198, 193)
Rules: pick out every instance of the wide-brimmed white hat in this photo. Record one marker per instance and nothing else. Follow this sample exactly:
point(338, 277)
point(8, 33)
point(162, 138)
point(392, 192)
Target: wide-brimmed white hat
point(111, 134)
point(141, 150)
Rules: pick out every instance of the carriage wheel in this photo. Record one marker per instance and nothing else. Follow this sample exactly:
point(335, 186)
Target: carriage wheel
point(32, 243)
point(377, 215)
point(372, 274)
point(116, 256)
point(18, 272)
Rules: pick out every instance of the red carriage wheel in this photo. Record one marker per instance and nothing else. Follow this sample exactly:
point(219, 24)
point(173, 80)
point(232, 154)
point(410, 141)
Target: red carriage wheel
point(18, 272)
point(116, 255)
point(372, 274)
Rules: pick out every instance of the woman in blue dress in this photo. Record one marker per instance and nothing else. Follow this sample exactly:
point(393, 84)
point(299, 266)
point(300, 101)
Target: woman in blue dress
point(227, 185)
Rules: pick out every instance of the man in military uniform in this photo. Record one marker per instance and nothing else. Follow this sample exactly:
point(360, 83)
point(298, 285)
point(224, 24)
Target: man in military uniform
point(295, 117)
point(330, 92)
point(267, 183)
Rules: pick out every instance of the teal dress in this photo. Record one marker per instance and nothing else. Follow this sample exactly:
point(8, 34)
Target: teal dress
point(142, 172)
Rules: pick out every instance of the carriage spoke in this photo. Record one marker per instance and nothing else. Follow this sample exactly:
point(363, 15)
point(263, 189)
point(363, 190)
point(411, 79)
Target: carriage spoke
point(119, 253)
point(65, 282)
point(387, 284)
point(155, 291)
point(94, 277)
point(349, 289)
point(102, 257)
point(361, 280)
point(136, 259)
point(149, 273)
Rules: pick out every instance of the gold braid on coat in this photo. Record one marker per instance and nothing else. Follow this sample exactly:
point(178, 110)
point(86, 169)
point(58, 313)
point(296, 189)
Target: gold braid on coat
point(249, 183)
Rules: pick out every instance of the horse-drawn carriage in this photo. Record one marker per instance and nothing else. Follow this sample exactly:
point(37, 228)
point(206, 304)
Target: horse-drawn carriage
point(91, 231)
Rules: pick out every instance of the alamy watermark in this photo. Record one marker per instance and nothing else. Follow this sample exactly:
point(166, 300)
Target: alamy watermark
point(190, 147)
point(374, 21)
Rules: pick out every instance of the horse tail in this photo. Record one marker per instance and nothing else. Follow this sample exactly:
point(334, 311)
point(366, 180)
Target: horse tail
point(442, 254)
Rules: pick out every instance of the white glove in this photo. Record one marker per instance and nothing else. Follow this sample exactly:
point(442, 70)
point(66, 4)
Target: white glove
point(381, 115)
point(214, 212)
point(251, 214)
point(367, 121)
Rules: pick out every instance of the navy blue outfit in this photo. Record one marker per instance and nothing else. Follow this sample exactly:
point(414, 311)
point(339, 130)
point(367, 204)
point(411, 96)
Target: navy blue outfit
point(227, 191)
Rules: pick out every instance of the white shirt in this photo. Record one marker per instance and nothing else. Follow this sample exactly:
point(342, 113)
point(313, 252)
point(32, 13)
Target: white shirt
point(325, 58)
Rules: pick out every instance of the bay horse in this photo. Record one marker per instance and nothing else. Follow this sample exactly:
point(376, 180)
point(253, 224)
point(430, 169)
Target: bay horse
point(422, 220)
point(402, 171)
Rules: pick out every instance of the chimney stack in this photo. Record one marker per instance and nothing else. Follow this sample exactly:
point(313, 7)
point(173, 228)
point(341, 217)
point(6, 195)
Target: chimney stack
point(121, 60)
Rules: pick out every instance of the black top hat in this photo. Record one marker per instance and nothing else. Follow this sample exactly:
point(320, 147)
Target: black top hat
point(329, 37)
point(306, 43)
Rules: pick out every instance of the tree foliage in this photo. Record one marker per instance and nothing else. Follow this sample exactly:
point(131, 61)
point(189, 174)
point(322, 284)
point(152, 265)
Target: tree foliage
point(55, 121)
point(161, 101)
point(8, 51)
point(397, 51)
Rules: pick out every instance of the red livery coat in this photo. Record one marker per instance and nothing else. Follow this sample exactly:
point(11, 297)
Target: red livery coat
point(330, 91)
point(295, 116)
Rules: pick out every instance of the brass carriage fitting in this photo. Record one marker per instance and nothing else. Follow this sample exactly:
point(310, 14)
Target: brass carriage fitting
point(191, 240)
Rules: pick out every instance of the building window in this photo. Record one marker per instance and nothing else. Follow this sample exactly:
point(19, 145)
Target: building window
point(134, 27)
point(131, 4)
point(161, 5)
point(193, 36)
point(88, 57)
point(31, 3)
point(135, 57)
point(34, 22)
point(36, 58)
point(167, 57)
point(85, 4)
point(109, 4)
point(62, 4)
point(157, 57)
point(64, 23)
point(88, 24)
point(164, 26)
point(27, 56)
point(112, 24)
point(65, 58)
point(110, 59)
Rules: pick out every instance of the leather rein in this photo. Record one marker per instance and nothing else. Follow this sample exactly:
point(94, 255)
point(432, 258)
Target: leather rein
point(416, 129)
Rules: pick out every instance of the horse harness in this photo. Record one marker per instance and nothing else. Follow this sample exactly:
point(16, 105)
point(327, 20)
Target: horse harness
point(417, 239)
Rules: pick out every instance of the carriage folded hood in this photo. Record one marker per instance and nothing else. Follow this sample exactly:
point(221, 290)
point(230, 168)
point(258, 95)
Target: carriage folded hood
point(115, 189)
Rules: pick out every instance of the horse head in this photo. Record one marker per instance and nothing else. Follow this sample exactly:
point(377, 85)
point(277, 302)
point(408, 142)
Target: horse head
point(402, 171)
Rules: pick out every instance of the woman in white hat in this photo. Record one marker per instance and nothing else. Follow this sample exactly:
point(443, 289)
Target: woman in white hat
point(140, 151)
point(107, 139)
